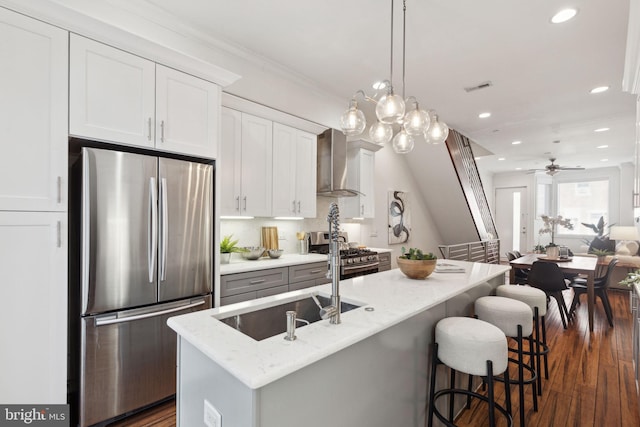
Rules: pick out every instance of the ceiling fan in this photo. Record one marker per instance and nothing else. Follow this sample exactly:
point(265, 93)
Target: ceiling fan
point(553, 168)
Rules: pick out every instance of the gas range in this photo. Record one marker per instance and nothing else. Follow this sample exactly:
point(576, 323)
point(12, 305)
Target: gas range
point(353, 261)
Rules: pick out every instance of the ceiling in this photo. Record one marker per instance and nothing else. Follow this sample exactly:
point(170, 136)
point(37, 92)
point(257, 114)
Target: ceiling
point(541, 73)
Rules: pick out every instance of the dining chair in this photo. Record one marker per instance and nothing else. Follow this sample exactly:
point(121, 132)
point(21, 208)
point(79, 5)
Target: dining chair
point(548, 277)
point(520, 274)
point(600, 287)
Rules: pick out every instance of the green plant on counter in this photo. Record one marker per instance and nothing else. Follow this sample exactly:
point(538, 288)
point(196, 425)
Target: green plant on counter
point(601, 252)
point(228, 246)
point(538, 249)
point(633, 278)
point(417, 254)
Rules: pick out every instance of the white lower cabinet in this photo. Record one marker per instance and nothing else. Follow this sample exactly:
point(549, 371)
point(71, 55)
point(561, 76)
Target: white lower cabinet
point(294, 172)
point(33, 318)
point(360, 177)
point(33, 114)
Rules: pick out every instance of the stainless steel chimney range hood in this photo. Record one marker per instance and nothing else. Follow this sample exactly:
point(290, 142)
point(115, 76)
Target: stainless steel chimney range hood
point(332, 165)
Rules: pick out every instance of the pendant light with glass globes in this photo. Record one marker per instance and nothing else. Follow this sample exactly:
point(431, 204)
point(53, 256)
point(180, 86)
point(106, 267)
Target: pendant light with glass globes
point(392, 109)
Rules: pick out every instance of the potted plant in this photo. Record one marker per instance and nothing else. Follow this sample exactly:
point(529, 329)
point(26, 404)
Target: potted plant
point(633, 278)
point(601, 253)
point(539, 249)
point(416, 264)
point(601, 240)
point(227, 247)
point(550, 225)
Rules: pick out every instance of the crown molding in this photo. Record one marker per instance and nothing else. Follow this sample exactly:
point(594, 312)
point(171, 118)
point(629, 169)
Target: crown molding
point(112, 25)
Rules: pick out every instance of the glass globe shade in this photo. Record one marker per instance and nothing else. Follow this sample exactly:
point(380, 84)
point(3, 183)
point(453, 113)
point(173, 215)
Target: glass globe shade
point(402, 143)
point(390, 108)
point(352, 121)
point(380, 133)
point(437, 132)
point(416, 122)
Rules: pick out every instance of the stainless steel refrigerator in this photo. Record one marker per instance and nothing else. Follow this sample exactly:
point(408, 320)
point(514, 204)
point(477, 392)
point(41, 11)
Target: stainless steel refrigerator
point(145, 255)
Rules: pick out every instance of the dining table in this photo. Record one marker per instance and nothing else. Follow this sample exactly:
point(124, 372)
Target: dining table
point(585, 265)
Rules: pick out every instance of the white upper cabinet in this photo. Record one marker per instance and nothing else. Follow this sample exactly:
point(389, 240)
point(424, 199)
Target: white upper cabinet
point(119, 97)
point(112, 94)
point(245, 164)
point(360, 177)
point(33, 114)
point(187, 111)
point(294, 172)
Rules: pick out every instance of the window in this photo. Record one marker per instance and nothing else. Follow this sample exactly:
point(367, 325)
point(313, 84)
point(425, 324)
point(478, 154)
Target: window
point(584, 201)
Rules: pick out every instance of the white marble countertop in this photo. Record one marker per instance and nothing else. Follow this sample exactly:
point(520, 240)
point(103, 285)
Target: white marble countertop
point(392, 295)
point(241, 265)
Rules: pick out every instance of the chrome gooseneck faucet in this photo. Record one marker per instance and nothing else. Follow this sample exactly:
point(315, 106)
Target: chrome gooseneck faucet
point(333, 311)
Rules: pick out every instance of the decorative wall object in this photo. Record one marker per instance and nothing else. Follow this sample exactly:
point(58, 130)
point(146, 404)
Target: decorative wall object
point(399, 217)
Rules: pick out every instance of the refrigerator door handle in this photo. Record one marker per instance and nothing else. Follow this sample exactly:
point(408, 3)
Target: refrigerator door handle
point(164, 221)
point(111, 319)
point(152, 239)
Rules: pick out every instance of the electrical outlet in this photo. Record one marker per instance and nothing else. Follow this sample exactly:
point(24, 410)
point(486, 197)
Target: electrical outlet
point(212, 417)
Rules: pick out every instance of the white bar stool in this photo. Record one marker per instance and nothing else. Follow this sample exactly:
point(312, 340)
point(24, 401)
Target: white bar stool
point(473, 347)
point(514, 319)
point(537, 300)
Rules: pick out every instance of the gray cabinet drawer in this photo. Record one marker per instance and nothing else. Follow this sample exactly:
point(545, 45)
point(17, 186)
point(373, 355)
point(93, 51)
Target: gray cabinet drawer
point(301, 285)
point(237, 298)
point(239, 283)
point(272, 291)
point(304, 272)
point(384, 260)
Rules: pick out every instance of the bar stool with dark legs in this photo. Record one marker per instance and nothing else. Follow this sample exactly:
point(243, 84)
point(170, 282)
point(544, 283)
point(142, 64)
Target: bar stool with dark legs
point(537, 301)
point(514, 319)
point(473, 347)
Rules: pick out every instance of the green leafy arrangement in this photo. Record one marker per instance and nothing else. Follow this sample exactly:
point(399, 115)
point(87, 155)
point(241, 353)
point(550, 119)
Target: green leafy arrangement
point(228, 246)
point(631, 279)
point(601, 252)
point(417, 254)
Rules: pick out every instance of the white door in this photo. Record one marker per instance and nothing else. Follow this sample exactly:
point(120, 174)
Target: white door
point(257, 167)
point(306, 176)
point(229, 162)
point(187, 110)
point(33, 314)
point(33, 115)
point(111, 94)
point(285, 166)
point(511, 219)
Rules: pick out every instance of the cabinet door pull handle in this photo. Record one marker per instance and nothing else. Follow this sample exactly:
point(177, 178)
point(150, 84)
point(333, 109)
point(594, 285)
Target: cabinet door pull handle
point(149, 129)
point(362, 210)
point(298, 206)
point(161, 130)
point(245, 203)
point(316, 271)
point(255, 282)
point(59, 189)
point(238, 203)
point(59, 234)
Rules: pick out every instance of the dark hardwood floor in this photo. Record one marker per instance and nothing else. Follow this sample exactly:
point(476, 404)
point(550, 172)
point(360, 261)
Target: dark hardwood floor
point(591, 378)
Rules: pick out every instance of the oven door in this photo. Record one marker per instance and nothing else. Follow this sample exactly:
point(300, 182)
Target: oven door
point(349, 271)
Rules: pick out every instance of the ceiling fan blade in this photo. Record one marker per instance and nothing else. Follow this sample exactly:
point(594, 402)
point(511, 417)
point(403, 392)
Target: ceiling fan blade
point(569, 169)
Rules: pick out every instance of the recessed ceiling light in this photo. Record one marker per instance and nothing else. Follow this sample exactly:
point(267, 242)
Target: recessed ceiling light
point(601, 130)
point(379, 85)
point(604, 160)
point(518, 169)
point(599, 89)
point(602, 146)
point(500, 158)
point(516, 142)
point(484, 115)
point(564, 15)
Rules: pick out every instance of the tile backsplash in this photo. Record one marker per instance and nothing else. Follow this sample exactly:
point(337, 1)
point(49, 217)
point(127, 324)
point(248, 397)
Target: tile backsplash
point(248, 231)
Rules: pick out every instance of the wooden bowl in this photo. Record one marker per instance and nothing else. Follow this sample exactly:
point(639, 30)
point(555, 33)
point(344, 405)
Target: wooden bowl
point(416, 269)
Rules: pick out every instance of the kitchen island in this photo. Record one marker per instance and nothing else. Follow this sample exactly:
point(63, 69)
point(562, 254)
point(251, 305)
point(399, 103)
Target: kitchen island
point(371, 370)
